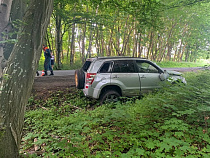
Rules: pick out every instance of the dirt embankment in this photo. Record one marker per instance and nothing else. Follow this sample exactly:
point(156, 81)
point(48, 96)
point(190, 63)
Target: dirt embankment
point(45, 85)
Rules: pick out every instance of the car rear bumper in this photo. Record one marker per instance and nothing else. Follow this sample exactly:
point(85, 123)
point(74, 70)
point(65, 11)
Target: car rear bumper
point(91, 92)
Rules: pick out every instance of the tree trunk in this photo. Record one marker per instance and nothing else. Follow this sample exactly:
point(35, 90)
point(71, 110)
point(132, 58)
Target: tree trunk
point(5, 8)
point(51, 39)
point(134, 42)
point(97, 45)
point(179, 51)
point(17, 12)
point(83, 43)
point(16, 89)
point(58, 39)
point(139, 46)
point(187, 54)
point(72, 44)
point(182, 53)
point(169, 42)
point(69, 43)
point(150, 45)
point(109, 51)
point(103, 47)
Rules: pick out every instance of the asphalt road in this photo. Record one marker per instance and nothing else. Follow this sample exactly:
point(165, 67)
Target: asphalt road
point(71, 72)
point(60, 72)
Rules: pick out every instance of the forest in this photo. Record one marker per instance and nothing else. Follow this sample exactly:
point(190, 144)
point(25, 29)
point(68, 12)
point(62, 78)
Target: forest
point(160, 30)
point(173, 122)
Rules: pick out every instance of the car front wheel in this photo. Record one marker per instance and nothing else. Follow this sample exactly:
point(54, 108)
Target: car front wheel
point(109, 97)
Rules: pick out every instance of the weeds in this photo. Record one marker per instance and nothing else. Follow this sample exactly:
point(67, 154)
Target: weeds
point(174, 122)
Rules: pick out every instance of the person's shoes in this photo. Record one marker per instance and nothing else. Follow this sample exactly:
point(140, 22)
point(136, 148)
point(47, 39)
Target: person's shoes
point(51, 74)
point(45, 73)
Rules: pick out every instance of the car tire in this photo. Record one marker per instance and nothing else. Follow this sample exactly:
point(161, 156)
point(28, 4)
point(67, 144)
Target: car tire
point(79, 79)
point(109, 96)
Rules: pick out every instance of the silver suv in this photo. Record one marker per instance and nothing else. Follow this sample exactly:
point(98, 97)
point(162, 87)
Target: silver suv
point(108, 78)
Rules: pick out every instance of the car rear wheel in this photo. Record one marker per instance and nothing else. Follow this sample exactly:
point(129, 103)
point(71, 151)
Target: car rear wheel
point(79, 79)
point(109, 97)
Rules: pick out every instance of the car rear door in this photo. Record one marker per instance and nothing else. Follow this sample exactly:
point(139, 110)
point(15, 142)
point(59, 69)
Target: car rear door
point(125, 75)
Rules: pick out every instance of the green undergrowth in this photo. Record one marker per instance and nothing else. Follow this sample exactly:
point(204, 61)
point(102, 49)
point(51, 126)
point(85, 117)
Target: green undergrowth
point(173, 122)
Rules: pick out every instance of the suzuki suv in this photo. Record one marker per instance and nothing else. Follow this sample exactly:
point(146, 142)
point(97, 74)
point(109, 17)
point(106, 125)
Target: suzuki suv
point(108, 78)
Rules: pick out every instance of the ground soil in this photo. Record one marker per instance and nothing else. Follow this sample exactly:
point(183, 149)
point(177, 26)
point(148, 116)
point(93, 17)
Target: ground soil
point(46, 85)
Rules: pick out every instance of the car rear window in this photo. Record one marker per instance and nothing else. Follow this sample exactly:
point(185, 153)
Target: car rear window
point(86, 65)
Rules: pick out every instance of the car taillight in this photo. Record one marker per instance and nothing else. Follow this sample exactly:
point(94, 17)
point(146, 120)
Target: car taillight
point(89, 79)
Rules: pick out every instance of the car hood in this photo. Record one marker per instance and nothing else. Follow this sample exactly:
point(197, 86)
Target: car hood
point(174, 73)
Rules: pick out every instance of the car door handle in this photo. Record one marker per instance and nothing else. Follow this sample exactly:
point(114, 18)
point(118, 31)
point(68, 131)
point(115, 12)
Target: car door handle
point(143, 76)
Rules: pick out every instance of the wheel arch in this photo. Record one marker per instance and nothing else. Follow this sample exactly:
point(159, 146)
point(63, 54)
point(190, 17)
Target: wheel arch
point(111, 87)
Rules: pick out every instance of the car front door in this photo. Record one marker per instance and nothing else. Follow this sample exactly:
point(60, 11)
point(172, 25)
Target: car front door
point(149, 76)
point(125, 75)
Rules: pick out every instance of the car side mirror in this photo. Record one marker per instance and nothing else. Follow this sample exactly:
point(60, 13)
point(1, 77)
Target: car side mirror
point(163, 76)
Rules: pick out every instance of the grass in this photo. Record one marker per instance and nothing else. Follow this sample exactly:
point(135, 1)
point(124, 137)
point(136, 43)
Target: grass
point(173, 122)
point(171, 64)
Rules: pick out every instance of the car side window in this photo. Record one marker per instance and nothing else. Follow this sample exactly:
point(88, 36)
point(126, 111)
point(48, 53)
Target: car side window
point(105, 68)
point(145, 67)
point(123, 66)
point(86, 65)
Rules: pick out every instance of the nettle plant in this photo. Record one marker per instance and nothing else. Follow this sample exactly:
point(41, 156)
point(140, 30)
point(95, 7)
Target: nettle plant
point(173, 122)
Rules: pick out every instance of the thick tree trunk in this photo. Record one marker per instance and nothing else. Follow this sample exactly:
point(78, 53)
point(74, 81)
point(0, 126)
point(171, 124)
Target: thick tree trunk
point(22, 65)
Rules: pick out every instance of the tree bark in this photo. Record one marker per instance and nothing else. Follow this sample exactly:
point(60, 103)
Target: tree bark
point(5, 8)
point(17, 11)
point(22, 65)
point(150, 44)
point(58, 39)
point(72, 44)
point(83, 42)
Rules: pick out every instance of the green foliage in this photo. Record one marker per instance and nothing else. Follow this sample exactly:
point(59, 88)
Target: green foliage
point(173, 122)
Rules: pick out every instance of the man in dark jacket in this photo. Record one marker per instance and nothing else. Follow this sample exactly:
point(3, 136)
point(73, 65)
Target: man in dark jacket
point(47, 61)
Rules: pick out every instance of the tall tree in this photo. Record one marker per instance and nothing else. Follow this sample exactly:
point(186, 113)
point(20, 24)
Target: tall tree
point(15, 89)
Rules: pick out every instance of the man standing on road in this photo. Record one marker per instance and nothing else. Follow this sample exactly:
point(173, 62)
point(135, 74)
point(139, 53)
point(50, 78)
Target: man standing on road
point(47, 61)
